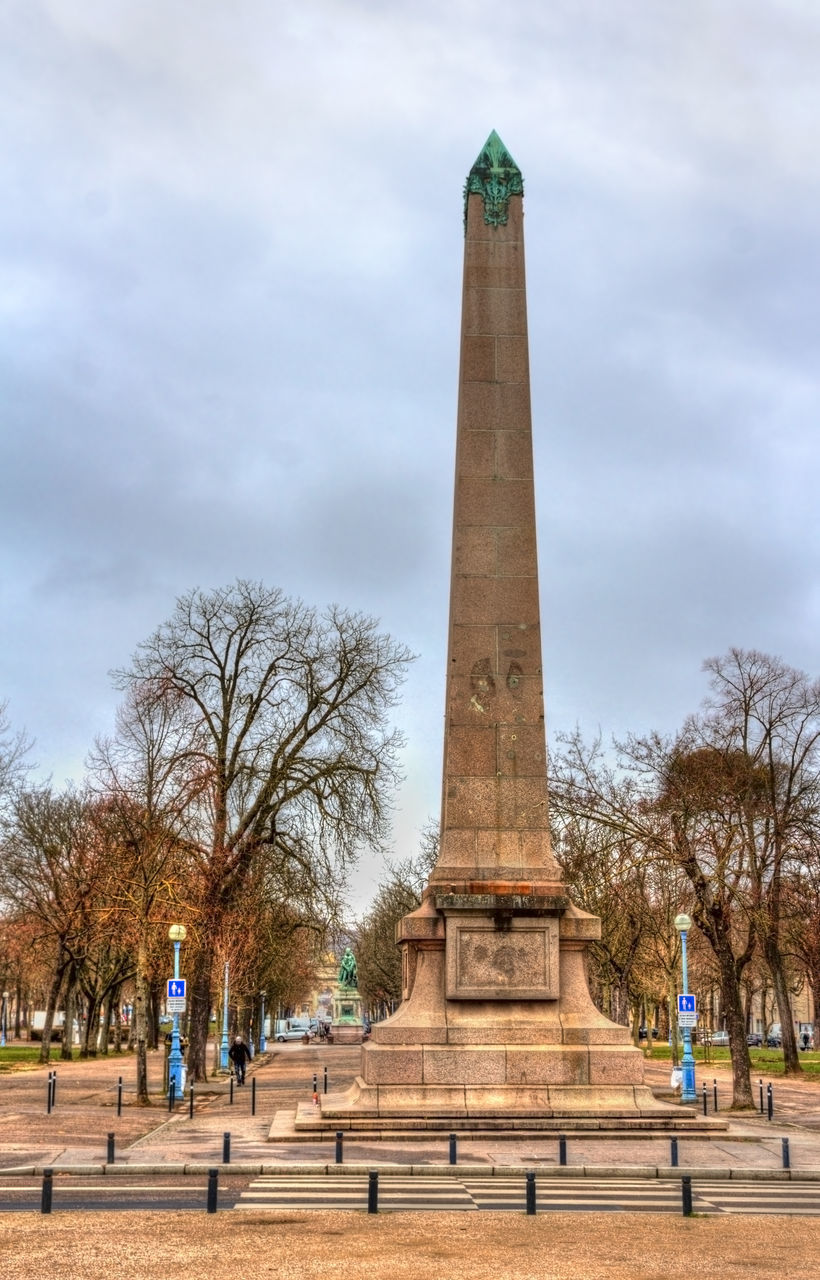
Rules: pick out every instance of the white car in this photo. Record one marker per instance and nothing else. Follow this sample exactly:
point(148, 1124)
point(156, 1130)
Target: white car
point(291, 1029)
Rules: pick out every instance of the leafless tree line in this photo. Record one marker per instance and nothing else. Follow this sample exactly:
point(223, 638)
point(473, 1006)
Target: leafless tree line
point(252, 759)
point(721, 820)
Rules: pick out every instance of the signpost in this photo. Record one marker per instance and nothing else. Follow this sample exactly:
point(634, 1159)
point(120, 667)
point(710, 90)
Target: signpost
point(175, 1004)
point(687, 1010)
point(687, 1015)
point(175, 997)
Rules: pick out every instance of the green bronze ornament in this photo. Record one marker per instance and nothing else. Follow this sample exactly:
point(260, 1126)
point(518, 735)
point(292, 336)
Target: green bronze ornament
point(495, 177)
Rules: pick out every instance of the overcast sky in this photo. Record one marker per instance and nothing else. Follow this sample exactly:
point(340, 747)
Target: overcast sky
point(231, 246)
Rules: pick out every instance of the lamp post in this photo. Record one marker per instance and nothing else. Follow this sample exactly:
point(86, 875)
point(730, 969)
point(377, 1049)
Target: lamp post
point(223, 1048)
point(177, 933)
point(4, 1019)
point(683, 923)
point(262, 1041)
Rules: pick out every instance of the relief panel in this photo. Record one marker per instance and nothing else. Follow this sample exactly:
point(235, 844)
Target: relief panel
point(511, 959)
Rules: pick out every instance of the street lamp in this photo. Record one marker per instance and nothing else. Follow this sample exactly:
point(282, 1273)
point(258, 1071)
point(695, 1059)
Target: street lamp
point(223, 1048)
point(262, 1041)
point(4, 1018)
point(683, 923)
point(177, 933)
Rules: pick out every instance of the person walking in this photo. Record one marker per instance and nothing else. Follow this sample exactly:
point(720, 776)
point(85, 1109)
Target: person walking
point(240, 1056)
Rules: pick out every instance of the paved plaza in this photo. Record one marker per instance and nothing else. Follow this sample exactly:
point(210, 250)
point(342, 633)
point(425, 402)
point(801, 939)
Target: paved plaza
point(618, 1227)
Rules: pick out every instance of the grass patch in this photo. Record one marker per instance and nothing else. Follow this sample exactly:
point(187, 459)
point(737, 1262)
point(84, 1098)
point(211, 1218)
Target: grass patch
point(766, 1062)
point(22, 1057)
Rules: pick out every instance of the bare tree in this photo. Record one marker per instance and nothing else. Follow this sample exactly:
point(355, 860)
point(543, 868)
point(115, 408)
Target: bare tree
point(763, 718)
point(377, 955)
point(149, 782)
point(290, 739)
point(662, 798)
point(54, 871)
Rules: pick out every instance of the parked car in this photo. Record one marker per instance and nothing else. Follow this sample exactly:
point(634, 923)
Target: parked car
point(754, 1039)
point(773, 1041)
point(642, 1033)
point(292, 1029)
point(720, 1039)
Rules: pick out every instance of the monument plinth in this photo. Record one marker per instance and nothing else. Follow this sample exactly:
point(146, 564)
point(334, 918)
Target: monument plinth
point(496, 1027)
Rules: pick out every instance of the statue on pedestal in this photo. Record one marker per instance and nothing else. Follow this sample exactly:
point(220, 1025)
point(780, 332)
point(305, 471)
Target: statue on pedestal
point(348, 1023)
point(349, 973)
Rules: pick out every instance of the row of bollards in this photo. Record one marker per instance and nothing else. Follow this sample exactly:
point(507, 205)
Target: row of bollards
point(453, 1150)
point(530, 1193)
point(769, 1099)
point(46, 1195)
point(373, 1179)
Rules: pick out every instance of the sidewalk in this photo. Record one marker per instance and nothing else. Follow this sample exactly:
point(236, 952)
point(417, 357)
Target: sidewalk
point(75, 1135)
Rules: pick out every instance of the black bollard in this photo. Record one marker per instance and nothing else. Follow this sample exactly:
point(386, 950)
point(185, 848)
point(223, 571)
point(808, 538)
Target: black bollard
point(674, 1153)
point(110, 1158)
point(760, 1082)
point(339, 1143)
point(704, 1098)
point(686, 1195)
point(53, 1090)
point(453, 1154)
point(48, 1095)
point(562, 1149)
point(213, 1184)
point(530, 1193)
point(787, 1164)
point(45, 1199)
point(119, 1096)
point(253, 1096)
point(714, 1093)
point(230, 1097)
point(373, 1191)
point(191, 1103)
point(226, 1148)
point(325, 1079)
point(172, 1094)
point(769, 1101)
point(315, 1086)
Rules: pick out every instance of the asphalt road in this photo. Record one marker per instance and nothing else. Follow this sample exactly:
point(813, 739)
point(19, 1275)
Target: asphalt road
point(394, 1194)
point(72, 1193)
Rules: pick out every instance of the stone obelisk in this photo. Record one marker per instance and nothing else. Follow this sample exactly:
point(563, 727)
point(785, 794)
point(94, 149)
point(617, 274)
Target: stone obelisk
point(496, 1019)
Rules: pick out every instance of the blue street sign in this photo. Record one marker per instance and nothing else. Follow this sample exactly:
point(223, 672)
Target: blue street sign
point(176, 988)
point(687, 1004)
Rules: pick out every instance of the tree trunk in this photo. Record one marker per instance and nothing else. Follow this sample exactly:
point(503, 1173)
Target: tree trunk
point(730, 999)
point(117, 1012)
point(200, 1012)
point(88, 1048)
point(104, 1025)
point(152, 1013)
point(673, 1019)
point(791, 1058)
point(66, 1050)
point(51, 1005)
point(141, 1009)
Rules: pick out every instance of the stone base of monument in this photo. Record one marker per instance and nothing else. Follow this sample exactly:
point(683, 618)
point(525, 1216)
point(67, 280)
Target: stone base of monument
point(370, 1113)
point(347, 1032)
point(348, 1024)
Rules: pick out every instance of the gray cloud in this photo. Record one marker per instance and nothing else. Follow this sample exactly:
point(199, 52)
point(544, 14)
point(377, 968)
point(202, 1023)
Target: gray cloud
point(231, 254)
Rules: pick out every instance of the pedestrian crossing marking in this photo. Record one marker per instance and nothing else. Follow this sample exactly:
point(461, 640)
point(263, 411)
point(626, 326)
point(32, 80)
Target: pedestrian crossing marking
point(432, 1194)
